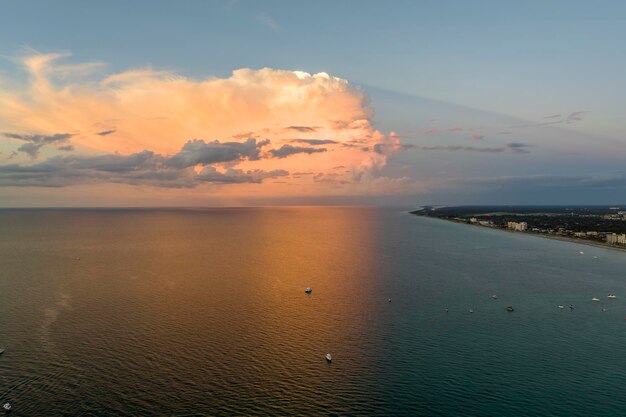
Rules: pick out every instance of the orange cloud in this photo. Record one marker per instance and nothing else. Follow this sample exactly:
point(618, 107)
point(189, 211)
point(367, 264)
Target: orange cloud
point(160, 112)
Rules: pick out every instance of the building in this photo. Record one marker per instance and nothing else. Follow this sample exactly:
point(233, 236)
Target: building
point(518, 226)
point(615, 239)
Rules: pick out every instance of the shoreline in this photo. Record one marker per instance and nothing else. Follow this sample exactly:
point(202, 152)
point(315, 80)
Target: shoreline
point(551, 237)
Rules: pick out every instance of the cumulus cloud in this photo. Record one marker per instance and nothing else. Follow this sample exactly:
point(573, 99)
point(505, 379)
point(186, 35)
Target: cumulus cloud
point(160, 110)
point(141, 168)
point(197, 152)
point(286, 150)
point(34, 143)
point(149, 118)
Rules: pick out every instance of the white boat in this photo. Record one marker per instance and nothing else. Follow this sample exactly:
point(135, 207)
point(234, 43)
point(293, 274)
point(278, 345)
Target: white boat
point(471, 310)
point(561, 306)
point(595, 299)
point(581, 252)
point(308, 290)
point(329, 358)
point(611, 296)
point(495, 297)
point(389, 300)
point(7, 406)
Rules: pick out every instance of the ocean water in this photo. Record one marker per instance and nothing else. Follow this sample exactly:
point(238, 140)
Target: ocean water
point(202, 312)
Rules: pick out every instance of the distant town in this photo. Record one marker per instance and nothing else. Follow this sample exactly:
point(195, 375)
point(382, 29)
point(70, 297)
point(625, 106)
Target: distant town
point(594, 224)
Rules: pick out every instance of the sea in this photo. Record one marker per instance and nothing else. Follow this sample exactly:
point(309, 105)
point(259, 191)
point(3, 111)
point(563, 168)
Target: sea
point(203, 312)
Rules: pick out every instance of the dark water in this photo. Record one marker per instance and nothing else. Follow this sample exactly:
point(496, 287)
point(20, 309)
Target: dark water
point(203, 312)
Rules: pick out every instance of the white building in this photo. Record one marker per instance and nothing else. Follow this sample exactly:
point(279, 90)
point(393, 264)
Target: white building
point(519, 226)
point(615, 239)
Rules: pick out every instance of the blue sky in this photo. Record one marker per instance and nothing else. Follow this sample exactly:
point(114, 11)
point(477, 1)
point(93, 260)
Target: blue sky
point(481, 65)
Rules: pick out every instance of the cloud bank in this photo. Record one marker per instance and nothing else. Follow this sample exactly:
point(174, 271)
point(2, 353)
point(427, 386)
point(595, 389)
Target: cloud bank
point(158, 128)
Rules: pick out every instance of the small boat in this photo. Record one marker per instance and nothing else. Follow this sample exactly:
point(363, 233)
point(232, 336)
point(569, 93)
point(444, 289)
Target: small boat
point(595, 257)
point(447, 310)
point(1, 351)
point(581, 252)
point(595, 299)
point(572, 306)
point(561, 306)
point(308, 290)
point(604, 310)
point(495, 297)
point(471, 310)
point(509, 308)
point(612, 296)
point(389, 300)
point(7, 406)
point(329, 358)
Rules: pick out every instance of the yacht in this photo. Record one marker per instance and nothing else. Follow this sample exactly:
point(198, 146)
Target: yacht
point(329, 358)
point(308, 290)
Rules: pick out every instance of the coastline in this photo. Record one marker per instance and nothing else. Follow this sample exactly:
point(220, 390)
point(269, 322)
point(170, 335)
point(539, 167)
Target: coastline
point(552, 237)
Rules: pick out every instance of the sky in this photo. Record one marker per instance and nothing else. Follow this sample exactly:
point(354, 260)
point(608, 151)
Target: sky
point(228, 103)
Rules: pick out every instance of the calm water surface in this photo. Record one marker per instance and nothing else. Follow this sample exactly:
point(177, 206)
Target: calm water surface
point(203, 313)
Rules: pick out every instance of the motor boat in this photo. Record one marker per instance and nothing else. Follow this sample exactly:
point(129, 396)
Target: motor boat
point(581, 252)
point(308, 290)
point(495, 297)
point(471, 310)
point(7, 406)
point(329, 358)
point(561, 306)
point(595, 299)
point(509, 308)
point(612, 296)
